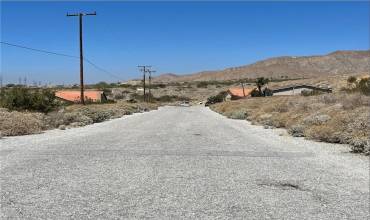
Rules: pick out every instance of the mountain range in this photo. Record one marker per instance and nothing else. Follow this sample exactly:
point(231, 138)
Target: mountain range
point(286, 67)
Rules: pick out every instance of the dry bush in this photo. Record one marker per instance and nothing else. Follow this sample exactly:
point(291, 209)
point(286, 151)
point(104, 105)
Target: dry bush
point(336, 118)
point(297, 130)
point(57, 119)
point(323, 133)
point(20, 123)
point(241, 114)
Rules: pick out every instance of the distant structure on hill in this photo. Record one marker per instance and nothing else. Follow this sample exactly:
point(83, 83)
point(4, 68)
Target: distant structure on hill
point(298, 89)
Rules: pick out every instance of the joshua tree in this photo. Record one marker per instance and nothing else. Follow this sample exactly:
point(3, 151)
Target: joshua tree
point(261, 81)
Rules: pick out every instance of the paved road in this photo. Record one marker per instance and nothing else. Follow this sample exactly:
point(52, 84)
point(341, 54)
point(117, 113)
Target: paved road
point(179, 163)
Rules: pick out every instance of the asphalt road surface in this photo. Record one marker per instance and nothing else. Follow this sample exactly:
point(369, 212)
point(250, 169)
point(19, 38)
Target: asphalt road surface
point(179, 163)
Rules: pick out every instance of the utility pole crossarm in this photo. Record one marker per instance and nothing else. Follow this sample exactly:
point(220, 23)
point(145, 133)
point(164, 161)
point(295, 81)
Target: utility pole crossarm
point(82, 14)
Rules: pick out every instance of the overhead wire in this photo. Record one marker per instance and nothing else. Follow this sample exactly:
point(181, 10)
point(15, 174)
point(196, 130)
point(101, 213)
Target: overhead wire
point(64, 55)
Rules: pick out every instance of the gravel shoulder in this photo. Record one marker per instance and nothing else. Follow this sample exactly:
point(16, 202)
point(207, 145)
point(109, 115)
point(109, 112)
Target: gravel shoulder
point(179, 163)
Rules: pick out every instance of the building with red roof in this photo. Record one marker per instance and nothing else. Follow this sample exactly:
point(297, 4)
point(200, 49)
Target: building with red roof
point(239, 93)
point(75, 95)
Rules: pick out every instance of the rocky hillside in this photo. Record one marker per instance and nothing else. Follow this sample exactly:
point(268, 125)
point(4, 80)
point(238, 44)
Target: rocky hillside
point(339, 62)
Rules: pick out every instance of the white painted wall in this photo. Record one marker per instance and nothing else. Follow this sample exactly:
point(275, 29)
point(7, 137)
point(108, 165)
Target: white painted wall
point(292, 92)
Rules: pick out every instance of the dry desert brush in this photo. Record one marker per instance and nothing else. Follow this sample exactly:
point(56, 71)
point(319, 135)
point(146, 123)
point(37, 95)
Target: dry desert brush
point(335, 118)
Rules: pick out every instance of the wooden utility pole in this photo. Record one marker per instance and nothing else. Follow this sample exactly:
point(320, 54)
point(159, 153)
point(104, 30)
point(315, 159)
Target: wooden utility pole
point(80, 15)
point(150, 83)
point(144, 69)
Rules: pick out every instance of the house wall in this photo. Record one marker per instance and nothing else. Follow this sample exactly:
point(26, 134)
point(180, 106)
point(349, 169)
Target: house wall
point(292, 92)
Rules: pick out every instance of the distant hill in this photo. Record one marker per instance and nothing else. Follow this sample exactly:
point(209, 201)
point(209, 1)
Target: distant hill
point(339, 62)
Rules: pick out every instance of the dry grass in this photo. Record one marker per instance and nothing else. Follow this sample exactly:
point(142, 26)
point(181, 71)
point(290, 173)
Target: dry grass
point(335, 118)
point(22, 123)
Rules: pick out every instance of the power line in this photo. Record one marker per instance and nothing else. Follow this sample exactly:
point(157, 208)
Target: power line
point(64, 55)
point(101, 69)
point(38, 50)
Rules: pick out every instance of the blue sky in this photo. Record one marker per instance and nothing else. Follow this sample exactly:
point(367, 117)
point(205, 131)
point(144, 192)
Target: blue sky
point(174, 37)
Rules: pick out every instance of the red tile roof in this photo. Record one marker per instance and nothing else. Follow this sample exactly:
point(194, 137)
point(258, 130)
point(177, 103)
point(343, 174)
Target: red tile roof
point(238, 91)
point(74, 96)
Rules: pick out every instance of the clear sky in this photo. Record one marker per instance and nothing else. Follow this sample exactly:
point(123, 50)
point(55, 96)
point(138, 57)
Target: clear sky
point(174, 37)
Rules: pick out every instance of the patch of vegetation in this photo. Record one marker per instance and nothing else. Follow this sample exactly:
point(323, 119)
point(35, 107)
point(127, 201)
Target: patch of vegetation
point(20, 123)
point(335, 118)
point(220, 97)
point(20, 98)
point(358, 85)
point(202, 84)
point(311, 92)
point(172, 98)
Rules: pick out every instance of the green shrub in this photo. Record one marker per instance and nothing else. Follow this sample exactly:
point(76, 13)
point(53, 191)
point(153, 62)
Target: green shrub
point(311, 92)
point(18, 98)
point(172, 98)
point(202, 84)
point(364, 86)
point(220, 97)
point(256, 93)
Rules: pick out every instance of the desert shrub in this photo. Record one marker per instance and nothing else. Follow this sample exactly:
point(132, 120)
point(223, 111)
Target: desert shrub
point(281, 107)
point(323, 133)
point(316, 119)
point(353, 101)
point(118, 96)
point(296, 130)
point(202, 84)
point(364, 86)
point(256, 93)
point(139, 97)
point(56, 119)
point(265, 119)
point(239, 114)
point(360, 146)
point(170, 98)
point(328, 99)
point(220, 97)
point(311, 92)
point(159, 85)
point(18, 98)
point(354, 85)
point(97, 115)
point(20, 123)
point(166, 98)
